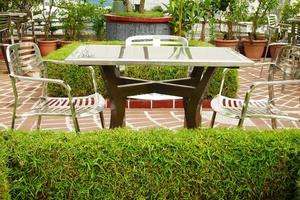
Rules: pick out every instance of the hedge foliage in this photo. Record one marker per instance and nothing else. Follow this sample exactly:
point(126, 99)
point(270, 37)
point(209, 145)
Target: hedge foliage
point(75, 75)
point(154, 164)
point(3, 170)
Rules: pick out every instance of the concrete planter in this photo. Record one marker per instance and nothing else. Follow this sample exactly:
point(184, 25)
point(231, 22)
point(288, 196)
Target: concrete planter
point(121, 27)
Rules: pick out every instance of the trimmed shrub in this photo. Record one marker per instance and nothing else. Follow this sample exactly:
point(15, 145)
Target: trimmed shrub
point(73, 75)
point(155, 164)
point(3, 170)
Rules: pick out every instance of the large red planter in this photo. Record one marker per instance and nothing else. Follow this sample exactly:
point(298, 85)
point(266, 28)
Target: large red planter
point(122, 27)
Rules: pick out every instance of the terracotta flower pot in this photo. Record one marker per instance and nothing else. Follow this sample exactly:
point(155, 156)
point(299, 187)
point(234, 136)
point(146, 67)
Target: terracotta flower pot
point(226, 43)
point(47, 46)
point(275, 49)
point(254, 49)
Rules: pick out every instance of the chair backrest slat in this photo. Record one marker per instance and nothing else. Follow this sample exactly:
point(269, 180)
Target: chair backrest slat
point(272, 20)
point(24, 58)
point(4, 22)
point(156, 40)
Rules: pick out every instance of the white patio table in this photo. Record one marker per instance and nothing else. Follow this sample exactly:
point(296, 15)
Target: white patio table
point(204, 59)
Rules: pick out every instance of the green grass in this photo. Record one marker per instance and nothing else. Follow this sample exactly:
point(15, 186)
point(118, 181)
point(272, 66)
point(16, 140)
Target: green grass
point(154, 164)
point(146, 14)
point(3, 169)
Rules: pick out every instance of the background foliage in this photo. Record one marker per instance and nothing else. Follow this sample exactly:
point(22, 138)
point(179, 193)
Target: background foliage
point(154, 164)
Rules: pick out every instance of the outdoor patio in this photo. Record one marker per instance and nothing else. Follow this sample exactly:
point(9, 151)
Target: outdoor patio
point(68, 67)
point(146, 118)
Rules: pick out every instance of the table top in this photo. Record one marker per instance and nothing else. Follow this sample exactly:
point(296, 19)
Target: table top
point(162, 55)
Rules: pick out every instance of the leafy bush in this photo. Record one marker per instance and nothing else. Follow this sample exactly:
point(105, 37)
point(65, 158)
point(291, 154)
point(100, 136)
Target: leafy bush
point(154, 164)
point(3, 170)
point(74, 75)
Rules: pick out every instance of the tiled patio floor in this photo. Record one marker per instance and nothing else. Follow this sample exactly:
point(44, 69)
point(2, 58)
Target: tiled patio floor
point(143, 118)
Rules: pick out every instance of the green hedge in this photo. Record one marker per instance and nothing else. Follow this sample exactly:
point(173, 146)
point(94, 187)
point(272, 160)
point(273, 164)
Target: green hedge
point(154, 164)
point(3, 170)
point(74, 75)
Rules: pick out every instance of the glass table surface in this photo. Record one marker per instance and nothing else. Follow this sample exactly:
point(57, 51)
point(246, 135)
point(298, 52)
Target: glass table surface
point(162, 55)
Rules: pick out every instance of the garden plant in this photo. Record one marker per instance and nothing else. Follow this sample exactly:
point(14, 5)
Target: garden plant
point(151, 164)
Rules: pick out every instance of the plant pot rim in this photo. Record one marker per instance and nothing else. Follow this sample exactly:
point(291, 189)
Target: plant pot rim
point(49, 40)
point(63, 40)
point(224, 40)
point(118, 18)
point(254, 41)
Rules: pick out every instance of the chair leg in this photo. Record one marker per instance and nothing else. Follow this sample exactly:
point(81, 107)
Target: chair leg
point(212, 122)
point(102, 119)
point(265, 57)
point(241, 123)
point(38, 125)
point(274, 123)
point(284, 78)
point(76, 125)
point(13, 121)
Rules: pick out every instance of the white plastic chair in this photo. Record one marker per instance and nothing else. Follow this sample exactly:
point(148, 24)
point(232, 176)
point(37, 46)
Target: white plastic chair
point(274, 27)
point(26, 64)
point(264, 108)
point(155, 40)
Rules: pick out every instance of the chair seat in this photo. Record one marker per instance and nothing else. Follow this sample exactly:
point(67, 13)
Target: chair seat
point(84, 106)
point(231, 107)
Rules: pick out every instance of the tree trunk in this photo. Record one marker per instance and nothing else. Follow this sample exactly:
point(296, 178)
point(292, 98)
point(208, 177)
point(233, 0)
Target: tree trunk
point(202, 37)
point(142, 6)
point(230, 31)
point(128, 6)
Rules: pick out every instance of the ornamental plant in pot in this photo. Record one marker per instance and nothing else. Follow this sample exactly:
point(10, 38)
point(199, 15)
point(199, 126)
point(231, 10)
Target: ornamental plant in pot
point(75, 16)
point(207, 10)
point(232, 11)
point(48, 44)
point(185, 14)
point(254, 47)
point(287, 10)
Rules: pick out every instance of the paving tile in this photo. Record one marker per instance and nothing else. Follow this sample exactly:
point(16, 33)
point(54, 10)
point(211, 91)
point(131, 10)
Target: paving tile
point(146, 117)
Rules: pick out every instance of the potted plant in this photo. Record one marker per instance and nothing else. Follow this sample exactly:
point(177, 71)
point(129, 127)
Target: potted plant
point(232, 11)
point(185, 14)
point(254, 46)
point(98, 20)
point(48, 44)
point(75, 16)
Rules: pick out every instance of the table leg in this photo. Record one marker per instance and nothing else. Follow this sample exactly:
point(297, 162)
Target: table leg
point(117, 99)
point(192, 104)
point(117, 118)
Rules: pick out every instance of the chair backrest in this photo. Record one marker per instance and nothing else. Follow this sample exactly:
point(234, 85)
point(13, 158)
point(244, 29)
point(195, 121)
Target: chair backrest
point(289, 58)
point(24, 59)
point(4, 22)
point(156, 40)
point(272, 20)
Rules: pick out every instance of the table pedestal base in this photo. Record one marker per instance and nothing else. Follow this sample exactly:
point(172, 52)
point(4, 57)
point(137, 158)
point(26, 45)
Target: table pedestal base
point(191, 89)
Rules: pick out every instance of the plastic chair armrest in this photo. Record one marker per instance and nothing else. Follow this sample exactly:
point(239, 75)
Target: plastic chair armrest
point(42, 80)
point(55, 61)
point(93, 78)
